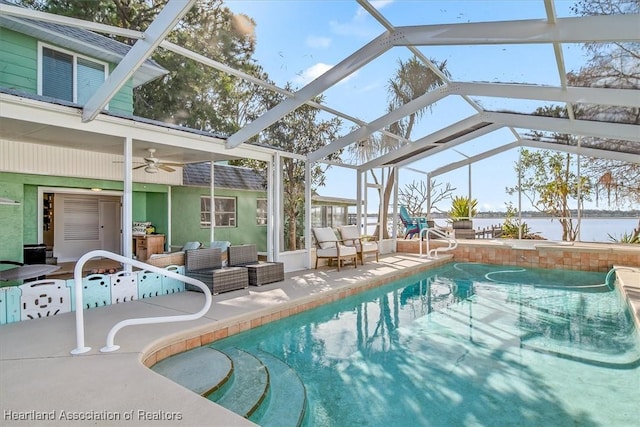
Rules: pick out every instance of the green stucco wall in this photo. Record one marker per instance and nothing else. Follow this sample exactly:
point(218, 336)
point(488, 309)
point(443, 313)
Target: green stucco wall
point(185, 215)
point(20, 223)
point(157, 211)
point(30, 215)
point(19, 69)
point(11, 222)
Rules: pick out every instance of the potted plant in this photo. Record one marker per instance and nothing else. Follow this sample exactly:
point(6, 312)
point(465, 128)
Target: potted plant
point(461, 208)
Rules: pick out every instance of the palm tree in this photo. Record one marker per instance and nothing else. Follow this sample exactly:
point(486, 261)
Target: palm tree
point(411, 80)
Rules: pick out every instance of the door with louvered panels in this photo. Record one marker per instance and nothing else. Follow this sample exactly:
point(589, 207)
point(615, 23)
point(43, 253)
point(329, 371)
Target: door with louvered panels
point(80, 223)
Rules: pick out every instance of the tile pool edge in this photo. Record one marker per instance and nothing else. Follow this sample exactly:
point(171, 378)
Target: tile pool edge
point(190, 338)
point(629, 288)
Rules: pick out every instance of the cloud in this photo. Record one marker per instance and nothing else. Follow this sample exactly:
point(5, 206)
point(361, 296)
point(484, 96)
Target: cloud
point(316, 71)
point(318, 42)
point(377, 5)
point(361, 25)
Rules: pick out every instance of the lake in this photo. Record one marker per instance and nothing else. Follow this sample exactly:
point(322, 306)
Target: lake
point(592, 229)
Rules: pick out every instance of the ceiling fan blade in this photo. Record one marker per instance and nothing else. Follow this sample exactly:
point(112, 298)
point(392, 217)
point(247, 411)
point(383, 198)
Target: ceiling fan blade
point(164, 167)
point(178, 165)
point(141, 166)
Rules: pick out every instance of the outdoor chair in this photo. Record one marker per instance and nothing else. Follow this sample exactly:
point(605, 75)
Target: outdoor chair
point(412, 225)
point(328, 246)
point(205, 264)
point(260, 273)
point(350, 235)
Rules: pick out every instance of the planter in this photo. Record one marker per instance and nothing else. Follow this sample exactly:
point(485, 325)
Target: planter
point(463, 224)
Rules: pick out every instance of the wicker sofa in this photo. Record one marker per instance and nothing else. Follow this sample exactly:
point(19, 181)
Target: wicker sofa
point(205, 264)
point(260, 273)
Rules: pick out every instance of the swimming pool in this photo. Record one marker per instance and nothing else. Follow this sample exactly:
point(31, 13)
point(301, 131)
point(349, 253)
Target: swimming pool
point(464, 345)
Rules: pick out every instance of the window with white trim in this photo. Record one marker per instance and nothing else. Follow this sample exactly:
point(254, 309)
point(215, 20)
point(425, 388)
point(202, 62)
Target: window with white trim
point(225, 211)
point(68, 76)
point(261, 211)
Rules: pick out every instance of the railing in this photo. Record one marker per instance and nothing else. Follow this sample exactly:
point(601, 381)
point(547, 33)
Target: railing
point(451, 241)
point(110, 346)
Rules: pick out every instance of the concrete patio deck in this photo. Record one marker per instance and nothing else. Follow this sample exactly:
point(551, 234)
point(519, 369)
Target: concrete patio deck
point(41, 383)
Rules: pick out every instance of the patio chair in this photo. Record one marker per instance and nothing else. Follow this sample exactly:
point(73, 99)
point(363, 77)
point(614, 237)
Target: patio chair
point(412, 225)
point(205, 264)
point(260, 273)
point(350, 235)
point(328, 246)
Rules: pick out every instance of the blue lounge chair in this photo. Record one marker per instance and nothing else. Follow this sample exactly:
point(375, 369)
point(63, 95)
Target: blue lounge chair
point(412, 225)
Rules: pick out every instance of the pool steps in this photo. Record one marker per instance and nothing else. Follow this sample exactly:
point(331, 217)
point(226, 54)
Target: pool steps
point(202, 370)
point(258, 386)
point(288, 396)
point(249, 387)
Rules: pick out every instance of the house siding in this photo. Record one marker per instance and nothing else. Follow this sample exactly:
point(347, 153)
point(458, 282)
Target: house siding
point(122, 101)
point(185, 214)
point(19, 66)
point(19, 61)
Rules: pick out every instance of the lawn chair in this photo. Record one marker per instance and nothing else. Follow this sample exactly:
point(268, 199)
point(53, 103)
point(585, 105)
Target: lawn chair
point(328, 246)
point(412, 225)
point(350, 235)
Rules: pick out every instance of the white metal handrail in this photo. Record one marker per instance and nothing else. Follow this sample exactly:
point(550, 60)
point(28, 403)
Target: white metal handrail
point(452, 242)
point(110, 346)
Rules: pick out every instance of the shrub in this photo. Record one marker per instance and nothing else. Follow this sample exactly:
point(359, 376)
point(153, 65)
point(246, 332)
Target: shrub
point(460, 208)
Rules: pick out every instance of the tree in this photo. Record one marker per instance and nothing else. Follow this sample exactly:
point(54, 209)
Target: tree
point(300, 132)
point(611, 65)
point(411, 80)
point(551, 185)
point(414, 196)
point(514, 228)
point(192, 94)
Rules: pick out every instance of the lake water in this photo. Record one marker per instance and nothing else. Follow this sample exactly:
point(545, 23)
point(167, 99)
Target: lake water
point(592, 229)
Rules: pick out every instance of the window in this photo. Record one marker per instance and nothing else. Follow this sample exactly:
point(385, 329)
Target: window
point(66, 76)
point(261, 211)
point(225, 211)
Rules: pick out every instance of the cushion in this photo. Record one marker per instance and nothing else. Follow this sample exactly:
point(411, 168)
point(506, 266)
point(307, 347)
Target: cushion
point(191, 245)
point(350, 235)
point(325, 237)
point(333, 252)
point(223, 245)
point(140, 228)
point(349, 232)
point(369, 247)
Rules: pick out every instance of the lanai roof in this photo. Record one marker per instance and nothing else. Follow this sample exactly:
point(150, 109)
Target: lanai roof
point(602, 136)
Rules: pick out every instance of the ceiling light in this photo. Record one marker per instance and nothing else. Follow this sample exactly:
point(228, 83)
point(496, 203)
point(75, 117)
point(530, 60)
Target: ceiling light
point(151, 169)
point(96, 189)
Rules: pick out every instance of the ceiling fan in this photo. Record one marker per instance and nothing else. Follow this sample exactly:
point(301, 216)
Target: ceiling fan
point(153, 164)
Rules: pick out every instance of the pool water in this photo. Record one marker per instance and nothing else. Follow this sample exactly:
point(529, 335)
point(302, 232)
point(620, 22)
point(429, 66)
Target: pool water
point(465, 345)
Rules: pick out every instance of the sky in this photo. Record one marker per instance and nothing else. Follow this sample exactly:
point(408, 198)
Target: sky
point(299, 40)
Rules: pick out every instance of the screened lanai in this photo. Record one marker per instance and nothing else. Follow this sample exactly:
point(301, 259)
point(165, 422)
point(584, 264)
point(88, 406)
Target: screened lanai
point(525, 58)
